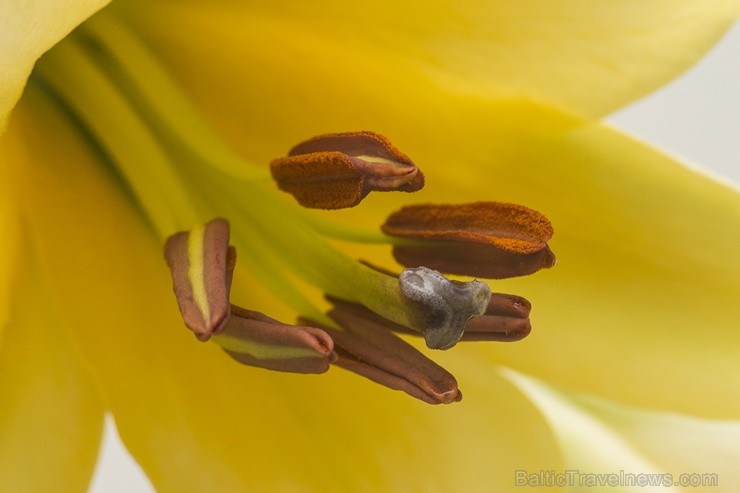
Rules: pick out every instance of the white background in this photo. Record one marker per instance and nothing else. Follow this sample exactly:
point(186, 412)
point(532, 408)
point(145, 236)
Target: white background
point(696, 118)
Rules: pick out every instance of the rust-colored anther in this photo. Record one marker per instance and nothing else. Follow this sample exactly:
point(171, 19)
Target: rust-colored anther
point(506, 320)
point(202, 264)
point(367, 347)
point(254, 339)
point(485, 239)
point(336, 171)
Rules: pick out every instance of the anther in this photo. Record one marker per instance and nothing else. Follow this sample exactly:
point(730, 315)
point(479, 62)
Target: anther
point(336, 171)
point(254, 339)
point(484, 239)
point(202, 265)
point(366, 346)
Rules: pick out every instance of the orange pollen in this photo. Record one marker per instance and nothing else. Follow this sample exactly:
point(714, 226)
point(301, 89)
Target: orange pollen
point(510, 227)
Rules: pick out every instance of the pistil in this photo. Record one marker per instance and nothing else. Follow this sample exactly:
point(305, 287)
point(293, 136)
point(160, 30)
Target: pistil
point(445, 306)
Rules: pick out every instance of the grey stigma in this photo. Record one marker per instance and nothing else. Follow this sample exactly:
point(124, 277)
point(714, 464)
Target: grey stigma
point(445, 305)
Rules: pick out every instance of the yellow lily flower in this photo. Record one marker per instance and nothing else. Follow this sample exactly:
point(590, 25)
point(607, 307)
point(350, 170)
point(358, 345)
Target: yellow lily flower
point(493, 100)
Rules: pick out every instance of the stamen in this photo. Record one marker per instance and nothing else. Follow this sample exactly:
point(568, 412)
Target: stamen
point(366, 347)
point(447, 305)
point(336, 171)
point(254, 339)
point(486, 239)
point(470, 259)
point(506, 320)
point(202, 264)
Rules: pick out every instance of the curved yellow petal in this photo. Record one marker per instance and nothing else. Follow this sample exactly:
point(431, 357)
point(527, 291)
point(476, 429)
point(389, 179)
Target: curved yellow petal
point(621, 443)
point(642, 304)
point(51, 414)
point(197, 421)
point(539, 63)
point(10, 239)
point(27, 30)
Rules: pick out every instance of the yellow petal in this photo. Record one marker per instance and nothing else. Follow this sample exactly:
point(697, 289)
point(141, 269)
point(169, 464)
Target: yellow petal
point(598, 436)
point(27, 30)
point(51, 414)
point(182, 406)
point(10, 238)
point(534, 65)
point(642, 304)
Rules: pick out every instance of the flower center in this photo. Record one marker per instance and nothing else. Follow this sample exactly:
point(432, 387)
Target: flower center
point(181, 174)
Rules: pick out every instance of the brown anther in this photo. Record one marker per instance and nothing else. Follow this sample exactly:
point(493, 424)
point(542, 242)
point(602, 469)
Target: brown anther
point(506, 320)
point(469, 259)
point(202, 264)
point(486, 239)
point(336, 171)
point(367, 347)
point(255, 339)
